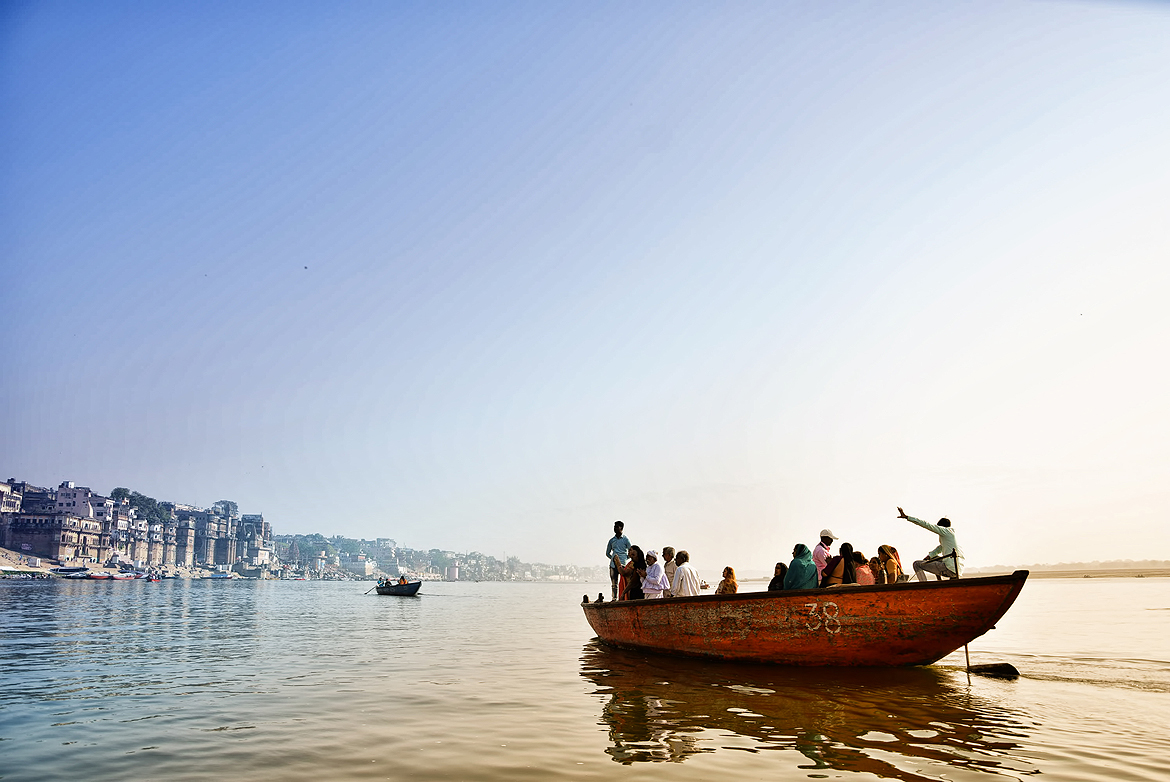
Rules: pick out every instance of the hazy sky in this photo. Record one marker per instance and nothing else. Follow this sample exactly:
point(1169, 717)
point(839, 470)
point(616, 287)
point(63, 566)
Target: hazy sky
point(489, 276)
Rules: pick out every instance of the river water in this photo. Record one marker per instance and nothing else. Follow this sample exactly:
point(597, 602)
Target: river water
point(302, 680)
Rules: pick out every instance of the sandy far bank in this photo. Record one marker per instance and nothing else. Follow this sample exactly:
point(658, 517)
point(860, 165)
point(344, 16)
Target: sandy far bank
point(1106, 573)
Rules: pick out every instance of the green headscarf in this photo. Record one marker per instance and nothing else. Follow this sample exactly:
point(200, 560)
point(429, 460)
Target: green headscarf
point(802, 573)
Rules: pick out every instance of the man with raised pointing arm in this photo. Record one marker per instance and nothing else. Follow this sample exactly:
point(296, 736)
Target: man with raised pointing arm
point(945, 559)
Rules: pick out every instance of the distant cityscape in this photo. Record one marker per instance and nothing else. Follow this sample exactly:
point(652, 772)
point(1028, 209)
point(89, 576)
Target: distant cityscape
point(73, 525)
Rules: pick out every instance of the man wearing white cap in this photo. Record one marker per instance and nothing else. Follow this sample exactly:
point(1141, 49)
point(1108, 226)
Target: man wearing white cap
point(821, 552)
point(655, 583)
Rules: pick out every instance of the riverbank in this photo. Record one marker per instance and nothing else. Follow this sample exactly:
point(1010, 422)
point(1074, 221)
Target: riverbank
point(19, 562)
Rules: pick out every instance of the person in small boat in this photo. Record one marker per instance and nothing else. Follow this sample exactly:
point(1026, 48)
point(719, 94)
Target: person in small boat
point(403, 580)
point(686, 579)
point(777, 582)
point(822, 551)
point(875, 567)
point(839, 569)
point(632, 573)
point(619, 547)
point(861, 567)
point(654, 585)
point(668, 567)
point(889, 566)
point(728, 586)
point(945, 559)
point(802, 571)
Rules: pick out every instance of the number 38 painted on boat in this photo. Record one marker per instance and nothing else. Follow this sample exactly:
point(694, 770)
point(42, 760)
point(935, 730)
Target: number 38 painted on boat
point(823, 615)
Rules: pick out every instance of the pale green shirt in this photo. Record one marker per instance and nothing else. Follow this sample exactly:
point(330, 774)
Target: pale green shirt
point(946, 543)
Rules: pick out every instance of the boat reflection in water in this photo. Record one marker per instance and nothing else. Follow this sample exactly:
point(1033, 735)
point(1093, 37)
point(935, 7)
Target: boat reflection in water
point(900, 723)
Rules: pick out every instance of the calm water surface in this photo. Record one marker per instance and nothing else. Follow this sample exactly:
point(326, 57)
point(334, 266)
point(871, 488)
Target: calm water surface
point(252, 680)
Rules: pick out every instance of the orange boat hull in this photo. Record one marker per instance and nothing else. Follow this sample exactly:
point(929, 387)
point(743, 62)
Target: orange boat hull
point(913, 623)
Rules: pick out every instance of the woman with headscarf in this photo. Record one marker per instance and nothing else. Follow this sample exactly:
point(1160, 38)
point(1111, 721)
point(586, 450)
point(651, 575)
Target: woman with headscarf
point(728, 586)
point(840, 569)
point(891, 564)
point(655, 583)
point(802, 571)
point(633, 571)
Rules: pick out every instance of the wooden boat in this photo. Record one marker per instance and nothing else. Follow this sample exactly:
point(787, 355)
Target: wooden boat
point(913, 623)
point(402, 590)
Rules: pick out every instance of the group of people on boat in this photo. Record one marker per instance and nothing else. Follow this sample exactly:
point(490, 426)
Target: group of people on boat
point(636, 575)
point(401, 580)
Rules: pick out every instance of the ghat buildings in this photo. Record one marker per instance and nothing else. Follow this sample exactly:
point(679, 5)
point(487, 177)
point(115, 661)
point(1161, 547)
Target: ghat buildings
point(76, 525)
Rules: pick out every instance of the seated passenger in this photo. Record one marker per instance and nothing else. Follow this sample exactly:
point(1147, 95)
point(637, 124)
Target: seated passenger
point(634, 571)
point(668, 567)
point(861, 567)
point(802, 571)
point(686, 579)
point(654, 585)
point(875, 567)
point(839, 569)
point(777, 582)
point(728, 586)
point(891, 564)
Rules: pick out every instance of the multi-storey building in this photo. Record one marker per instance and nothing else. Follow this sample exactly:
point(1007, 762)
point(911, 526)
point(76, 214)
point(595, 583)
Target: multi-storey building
point(55, 527)
point(10, 496)
point(254, 540)
point(73, 523)
point(185, 540)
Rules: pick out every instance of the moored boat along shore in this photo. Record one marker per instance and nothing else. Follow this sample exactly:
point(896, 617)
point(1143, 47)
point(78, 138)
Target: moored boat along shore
point(14, 564)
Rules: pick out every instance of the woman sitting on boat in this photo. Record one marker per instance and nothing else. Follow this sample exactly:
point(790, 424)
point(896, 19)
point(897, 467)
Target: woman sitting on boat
point(631, 574)
point(890, 571)
point(728, 586)
point(861, 566)
point(840, 569)
point(802, 571)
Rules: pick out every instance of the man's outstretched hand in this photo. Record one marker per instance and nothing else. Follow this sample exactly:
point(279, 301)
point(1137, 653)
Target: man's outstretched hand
point(902, 514)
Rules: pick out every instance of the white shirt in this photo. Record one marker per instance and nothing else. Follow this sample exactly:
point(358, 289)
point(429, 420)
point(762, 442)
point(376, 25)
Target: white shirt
point(686, 581)
point(655, 583)
point(946, 543)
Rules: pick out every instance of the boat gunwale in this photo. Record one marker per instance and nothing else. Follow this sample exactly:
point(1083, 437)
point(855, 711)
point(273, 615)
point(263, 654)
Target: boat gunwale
point(1016, 576)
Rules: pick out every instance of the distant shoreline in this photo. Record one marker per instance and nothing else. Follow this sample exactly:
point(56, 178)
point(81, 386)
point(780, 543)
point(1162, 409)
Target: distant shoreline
point(1099, 573)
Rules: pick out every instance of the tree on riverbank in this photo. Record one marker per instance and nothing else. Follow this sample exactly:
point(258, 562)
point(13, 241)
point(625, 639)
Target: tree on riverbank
point(147, 507)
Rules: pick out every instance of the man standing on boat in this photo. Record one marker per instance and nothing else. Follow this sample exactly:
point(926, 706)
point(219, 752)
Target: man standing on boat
point(945, 559)
point(821, 554)
point(619, 545)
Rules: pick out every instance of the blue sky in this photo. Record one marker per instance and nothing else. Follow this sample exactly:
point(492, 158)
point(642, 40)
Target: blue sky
point(490, 276)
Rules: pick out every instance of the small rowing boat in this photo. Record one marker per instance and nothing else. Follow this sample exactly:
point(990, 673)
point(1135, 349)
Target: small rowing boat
point(913, 623)
point(402, 590)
